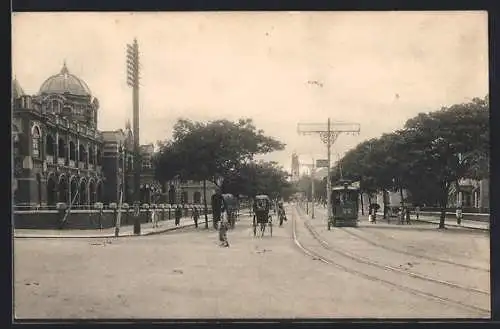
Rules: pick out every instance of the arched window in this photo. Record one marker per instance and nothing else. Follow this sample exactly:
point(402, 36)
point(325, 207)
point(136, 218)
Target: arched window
point(82, 153)
point(72, 151)
point(35, 141)
point(98, 157)
point(55, 106)
point(197, 197)
point(49, 145)
point(62, 148)
point(184, 197)
point(91, 155)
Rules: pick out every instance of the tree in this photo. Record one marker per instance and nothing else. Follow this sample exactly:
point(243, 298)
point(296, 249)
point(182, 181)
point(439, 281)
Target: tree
point(449, 145)
point(258, 178)
point(210, 151)
point(430, 155)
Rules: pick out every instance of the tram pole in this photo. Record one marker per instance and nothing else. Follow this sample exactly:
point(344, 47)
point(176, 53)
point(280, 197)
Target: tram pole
point(312, 189)
point(328, 136)
point(328, 180)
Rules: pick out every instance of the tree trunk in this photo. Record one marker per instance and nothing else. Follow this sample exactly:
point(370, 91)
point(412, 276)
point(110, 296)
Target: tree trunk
point(369, 201)
point(384, 199)
point(205, 202)
point(444, 203)
point(362, 206)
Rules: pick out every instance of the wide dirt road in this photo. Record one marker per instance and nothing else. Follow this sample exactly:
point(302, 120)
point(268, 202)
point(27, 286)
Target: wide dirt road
point(185, 274)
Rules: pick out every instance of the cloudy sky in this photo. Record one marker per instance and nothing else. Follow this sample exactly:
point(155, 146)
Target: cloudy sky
point(375, 68)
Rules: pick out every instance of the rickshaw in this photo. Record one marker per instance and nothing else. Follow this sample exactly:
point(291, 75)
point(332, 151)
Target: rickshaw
point(261, 217)
point(231, 203)
point(344, 200)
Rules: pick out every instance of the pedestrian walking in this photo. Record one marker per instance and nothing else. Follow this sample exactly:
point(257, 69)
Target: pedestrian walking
point(224, 226)
point(153, 218)
point(459, 215)
point(417, 211)
point(401, 215)
point(178, 215)
point(196, 216)
point(408, 215)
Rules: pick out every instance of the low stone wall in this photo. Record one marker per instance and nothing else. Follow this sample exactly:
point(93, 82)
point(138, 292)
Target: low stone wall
point(85, 219)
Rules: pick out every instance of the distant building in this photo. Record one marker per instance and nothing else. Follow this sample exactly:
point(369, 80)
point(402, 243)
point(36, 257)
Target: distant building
point(188, 192)
point(473, 194)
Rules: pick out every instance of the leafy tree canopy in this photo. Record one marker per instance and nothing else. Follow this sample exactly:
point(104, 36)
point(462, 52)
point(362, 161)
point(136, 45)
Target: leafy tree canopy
point(432, 151)
point(211, 151)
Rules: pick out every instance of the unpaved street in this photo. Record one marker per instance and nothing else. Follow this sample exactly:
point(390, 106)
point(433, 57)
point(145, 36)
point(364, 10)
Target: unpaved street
point(185, 274)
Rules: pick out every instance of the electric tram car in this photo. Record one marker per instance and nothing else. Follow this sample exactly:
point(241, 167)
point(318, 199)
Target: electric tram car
point(261, 207)
point(231, 203)
point(344, 201)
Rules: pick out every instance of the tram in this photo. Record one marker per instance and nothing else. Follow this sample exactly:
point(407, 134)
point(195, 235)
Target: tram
point(344, 201)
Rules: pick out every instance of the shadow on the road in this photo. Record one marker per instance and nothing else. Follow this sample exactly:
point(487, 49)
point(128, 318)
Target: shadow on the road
point(421, 227)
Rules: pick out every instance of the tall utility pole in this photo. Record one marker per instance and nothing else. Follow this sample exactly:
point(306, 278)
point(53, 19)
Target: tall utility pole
point(133, 81)
point(312, 167)
point(328, 136)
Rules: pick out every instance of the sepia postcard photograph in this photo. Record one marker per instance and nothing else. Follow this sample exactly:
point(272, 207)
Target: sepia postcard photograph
point(250, 165)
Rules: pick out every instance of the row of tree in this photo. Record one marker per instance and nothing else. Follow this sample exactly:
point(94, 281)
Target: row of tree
point(222, 152)
point(428, 157)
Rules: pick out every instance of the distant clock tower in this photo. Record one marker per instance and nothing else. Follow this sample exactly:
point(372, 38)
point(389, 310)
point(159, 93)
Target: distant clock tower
point(295, 168)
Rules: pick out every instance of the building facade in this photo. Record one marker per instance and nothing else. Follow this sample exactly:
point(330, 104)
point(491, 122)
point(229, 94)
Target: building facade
point(59, 155)
point(57, 149)
point(472, 194)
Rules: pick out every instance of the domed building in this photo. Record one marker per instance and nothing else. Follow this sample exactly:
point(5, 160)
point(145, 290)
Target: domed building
point(58, 149)
point(61, 156)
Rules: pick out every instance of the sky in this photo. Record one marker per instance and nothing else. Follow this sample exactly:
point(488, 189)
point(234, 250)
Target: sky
point(377, 69)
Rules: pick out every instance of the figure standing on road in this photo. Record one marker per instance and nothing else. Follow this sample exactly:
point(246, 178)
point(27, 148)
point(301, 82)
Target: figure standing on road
point(216, 208)
point(178, 215)
point(417, 211)
point(196, 216)
point(224, 226)
point(281, 213)
point(154, 222)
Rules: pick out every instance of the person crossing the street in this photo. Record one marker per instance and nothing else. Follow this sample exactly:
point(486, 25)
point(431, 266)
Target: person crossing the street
point(178, 215)
point(224, 225)
point(196, 215)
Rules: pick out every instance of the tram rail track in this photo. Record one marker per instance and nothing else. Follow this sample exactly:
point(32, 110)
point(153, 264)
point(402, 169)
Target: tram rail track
point(379, 245)
point(408, 253)
point(376, 278)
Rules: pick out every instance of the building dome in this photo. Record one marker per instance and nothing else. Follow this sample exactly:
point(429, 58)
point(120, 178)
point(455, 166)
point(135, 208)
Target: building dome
point(63, 83)
point(17, 91)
